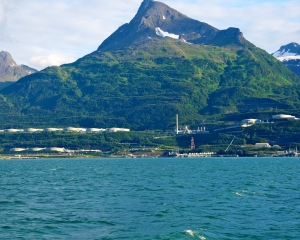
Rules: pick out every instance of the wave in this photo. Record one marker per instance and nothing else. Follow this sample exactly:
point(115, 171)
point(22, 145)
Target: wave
point(194, 234)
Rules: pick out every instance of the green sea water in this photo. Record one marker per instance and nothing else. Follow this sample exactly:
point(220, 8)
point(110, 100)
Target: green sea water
point(208, 198)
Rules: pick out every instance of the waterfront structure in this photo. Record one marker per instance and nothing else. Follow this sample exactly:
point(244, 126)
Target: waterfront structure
point(191, 155)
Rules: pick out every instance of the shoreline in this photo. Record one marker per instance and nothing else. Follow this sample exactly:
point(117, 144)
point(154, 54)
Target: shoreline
point(124, 157)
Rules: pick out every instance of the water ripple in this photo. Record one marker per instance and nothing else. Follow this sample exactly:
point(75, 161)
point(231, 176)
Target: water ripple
point(150, 199)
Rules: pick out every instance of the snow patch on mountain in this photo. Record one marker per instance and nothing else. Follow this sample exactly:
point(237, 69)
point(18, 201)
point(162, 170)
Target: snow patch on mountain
point(164, 18)
point(286, 55)
point(288, 52)
point(288, 58)
point(161, 33)
point(187, 42)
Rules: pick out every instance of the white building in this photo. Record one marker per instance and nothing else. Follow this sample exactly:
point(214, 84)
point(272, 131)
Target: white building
point(284, 116)
point(262, 145)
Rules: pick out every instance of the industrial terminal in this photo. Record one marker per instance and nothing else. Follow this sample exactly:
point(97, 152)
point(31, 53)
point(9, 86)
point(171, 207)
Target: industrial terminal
point(191, 141)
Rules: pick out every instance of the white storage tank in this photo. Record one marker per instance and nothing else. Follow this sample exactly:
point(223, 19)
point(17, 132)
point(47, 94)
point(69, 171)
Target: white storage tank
point(124, 130)
point(73, 129)
point(70, 129)
point(12, 130)
point(112, 130)
point(32, 130)
point(36, 149)
point(55, 149)
point(95, 130)
point(52, 129)
point(18, 149)
point(82, 130)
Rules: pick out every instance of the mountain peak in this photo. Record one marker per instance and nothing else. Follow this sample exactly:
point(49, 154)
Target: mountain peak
point(6, 60)
point(153, 18)
point(287, 52)
point(146, 3)
point(10, 70)
point(154, 14)
point(289, 55)
point(292, 47)
point(156, 20)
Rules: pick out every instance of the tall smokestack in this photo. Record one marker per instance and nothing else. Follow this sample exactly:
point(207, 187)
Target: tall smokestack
point(177, 131)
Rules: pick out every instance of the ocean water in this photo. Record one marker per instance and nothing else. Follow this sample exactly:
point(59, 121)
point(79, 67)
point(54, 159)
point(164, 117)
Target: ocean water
point(208, 198)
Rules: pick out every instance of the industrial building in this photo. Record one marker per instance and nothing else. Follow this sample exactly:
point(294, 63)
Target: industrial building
point(251, 121)
point(262, 145)
point(186, 130)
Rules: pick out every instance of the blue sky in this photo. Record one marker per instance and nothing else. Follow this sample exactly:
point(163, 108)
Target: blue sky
point(41, 33)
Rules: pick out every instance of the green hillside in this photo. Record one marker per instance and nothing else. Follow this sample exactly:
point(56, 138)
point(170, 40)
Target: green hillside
point(144, 85)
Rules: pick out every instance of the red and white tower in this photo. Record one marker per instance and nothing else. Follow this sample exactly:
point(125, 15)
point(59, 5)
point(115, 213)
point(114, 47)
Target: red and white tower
point(193, 147)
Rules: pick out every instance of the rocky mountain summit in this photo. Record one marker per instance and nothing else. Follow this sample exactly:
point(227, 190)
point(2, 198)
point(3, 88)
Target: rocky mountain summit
point(10, 71)
point(289, 55)
point(156, 20)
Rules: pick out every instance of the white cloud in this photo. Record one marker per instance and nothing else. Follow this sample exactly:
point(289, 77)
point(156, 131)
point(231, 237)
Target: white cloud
point(72, 28)
point(41, 62)
point(5, 7)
